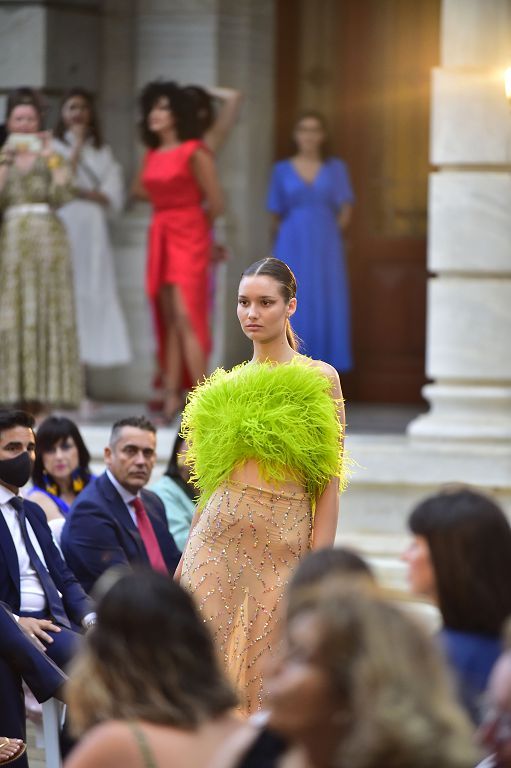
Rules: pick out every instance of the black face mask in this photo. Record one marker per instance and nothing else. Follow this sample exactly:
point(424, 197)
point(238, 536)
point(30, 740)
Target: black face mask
point(17, 471)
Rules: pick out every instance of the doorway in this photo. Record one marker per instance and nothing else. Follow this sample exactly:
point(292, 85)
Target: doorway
point(366, 65)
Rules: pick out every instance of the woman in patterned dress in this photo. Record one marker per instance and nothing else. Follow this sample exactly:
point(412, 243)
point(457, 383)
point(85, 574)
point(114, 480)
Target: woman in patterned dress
point(38, 342)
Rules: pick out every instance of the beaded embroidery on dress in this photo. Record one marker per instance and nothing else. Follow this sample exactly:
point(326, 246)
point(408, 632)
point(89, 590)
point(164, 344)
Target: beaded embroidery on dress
point(263, 442)
point(237, 563)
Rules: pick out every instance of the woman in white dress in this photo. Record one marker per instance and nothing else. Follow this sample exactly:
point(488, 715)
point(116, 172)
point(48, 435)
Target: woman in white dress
point(99, 190)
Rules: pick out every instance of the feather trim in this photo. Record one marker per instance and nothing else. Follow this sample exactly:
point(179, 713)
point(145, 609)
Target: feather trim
point(283, 416)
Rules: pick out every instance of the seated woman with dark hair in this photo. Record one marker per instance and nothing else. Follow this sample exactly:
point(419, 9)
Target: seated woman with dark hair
point(148, 682)
point(460, 558)
point(177, 493)
point(61, 469)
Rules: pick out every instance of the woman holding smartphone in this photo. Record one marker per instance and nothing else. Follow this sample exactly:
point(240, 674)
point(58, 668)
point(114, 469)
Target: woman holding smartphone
point(39, 356)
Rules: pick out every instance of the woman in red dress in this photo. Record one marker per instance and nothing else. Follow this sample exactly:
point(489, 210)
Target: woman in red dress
point(179, 178)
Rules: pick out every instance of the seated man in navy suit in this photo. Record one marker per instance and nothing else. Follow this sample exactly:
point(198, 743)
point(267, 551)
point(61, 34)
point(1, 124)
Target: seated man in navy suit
point(35, 582)
point(21, 658)
point(115, 521)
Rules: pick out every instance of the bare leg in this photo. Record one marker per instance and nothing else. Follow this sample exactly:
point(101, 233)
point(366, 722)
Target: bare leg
point(172, 372)
point(194, 356)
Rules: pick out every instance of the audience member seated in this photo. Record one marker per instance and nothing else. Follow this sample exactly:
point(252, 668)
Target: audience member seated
point(495, 731)
point(460, 558)
point(177, 493)
point(358, 684)
point(148, 683)
point(115, 521)
point(35, 582)
point(61, 469)
point(21, 658)
point(322, 564)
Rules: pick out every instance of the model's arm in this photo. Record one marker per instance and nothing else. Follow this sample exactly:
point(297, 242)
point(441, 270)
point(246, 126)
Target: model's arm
point(327, 507)
point(177, 573)
point(228, 112)
point(204, 169)
point(344, 217)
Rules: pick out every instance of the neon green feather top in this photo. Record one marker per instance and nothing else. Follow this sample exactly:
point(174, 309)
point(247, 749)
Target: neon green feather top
point(283, 416)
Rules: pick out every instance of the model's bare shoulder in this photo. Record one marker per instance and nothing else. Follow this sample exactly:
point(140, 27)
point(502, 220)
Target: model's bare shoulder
point(329, 371)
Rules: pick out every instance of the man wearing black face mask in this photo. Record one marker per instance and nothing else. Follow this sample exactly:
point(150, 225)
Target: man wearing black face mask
point(35, 582)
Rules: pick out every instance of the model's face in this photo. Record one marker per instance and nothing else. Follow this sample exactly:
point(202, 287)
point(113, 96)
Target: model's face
point(309, 135)
point(495, 732)
point(62, 459)
point(160, 118)
point(298, 688)
point(76, 111)
point(23, 119)
point(262, 311)
point(131, 459)
point(421, 576)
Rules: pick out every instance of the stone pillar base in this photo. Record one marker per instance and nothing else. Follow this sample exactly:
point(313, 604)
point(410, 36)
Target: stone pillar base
point(464, 412)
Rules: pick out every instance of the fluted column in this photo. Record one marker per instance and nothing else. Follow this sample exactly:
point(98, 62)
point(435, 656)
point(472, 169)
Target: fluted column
point(469, 252)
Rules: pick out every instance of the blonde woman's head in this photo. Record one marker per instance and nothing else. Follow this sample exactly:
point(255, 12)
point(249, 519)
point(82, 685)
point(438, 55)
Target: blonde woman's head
point(359, 684)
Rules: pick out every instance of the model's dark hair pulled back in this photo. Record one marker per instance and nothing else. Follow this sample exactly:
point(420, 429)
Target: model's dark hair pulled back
point(93, 126)
point(282, 274)
point(469, 540)
point(180, 105)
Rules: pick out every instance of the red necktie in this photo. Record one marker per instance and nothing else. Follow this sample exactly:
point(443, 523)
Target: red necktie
point(148, 536)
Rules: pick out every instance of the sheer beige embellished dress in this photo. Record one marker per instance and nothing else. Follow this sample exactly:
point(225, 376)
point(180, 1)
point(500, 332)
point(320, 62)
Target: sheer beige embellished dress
point(263, 441)
point(239, 558)
point(39, 357)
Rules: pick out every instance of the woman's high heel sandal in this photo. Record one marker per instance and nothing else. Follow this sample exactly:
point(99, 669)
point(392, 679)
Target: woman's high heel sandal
point(11, 749)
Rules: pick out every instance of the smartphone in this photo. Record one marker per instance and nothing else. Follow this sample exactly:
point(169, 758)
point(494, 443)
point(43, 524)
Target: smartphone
point(25, 142)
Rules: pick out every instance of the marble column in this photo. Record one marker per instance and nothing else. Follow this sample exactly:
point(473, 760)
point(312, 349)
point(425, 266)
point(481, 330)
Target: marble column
point(469, 251)
point(210, 42)
point(35, 49)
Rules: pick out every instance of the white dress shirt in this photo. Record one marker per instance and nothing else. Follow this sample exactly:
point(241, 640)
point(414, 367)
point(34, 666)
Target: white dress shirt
point(32, 597)
point(125, 495)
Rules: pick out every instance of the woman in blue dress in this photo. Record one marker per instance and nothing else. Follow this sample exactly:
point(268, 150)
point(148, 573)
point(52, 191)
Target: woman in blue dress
point(311, 198)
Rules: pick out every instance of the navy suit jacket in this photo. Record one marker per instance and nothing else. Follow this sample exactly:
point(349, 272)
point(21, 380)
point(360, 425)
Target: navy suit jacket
point(76, 602)
point(99, 532)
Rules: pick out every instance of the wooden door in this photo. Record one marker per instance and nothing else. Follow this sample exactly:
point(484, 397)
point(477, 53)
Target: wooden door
point(377, 96)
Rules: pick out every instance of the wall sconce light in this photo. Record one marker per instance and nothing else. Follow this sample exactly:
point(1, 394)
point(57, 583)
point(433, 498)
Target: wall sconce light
point(507, 84)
